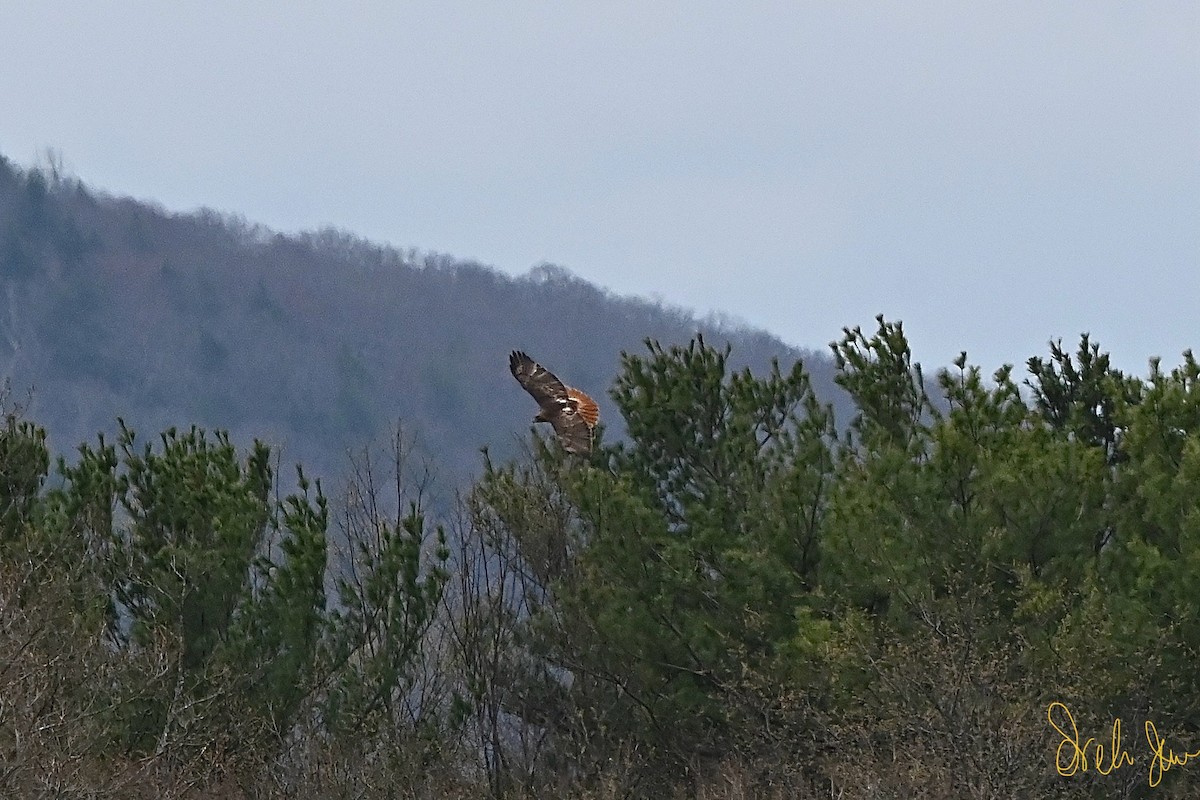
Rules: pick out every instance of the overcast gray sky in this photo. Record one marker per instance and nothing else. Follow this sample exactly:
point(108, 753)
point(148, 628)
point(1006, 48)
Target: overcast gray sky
point(993, 174)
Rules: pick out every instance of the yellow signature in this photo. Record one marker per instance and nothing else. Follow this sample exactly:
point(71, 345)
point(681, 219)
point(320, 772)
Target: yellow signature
point(1072, 757)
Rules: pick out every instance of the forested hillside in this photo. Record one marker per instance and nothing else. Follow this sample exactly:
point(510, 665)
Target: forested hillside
point(991, 598)
point(793, 578)
point(317, 342)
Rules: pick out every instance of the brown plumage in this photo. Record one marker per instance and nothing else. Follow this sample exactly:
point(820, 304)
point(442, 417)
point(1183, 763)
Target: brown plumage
point(569, 411)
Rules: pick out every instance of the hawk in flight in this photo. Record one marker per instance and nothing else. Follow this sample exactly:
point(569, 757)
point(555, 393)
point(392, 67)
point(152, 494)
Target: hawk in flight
point(569, 411)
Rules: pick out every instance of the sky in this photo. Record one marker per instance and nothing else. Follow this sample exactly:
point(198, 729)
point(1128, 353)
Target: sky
point(995, 175)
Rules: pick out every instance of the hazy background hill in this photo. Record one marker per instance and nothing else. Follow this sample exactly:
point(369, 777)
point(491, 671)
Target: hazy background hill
point(315, 342)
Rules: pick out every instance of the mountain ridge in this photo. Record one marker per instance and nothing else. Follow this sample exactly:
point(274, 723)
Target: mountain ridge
point(316, 341)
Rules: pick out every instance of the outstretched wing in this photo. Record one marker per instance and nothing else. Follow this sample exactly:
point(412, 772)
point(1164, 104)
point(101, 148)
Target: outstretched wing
point(540, 382)
point(569, 411)
point(574, 434)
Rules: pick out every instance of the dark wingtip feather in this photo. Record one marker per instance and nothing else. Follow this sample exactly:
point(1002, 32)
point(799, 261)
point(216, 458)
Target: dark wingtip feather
point(517, 359)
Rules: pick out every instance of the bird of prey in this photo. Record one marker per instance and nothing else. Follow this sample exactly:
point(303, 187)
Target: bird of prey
point(569, 411)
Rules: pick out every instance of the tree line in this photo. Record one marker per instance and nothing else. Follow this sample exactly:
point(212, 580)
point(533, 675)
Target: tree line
point(976, 587)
